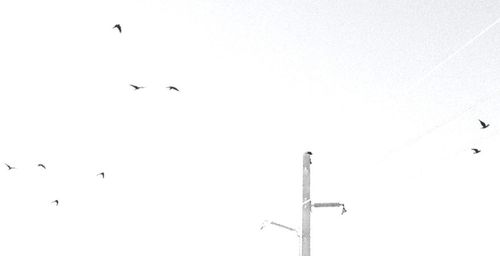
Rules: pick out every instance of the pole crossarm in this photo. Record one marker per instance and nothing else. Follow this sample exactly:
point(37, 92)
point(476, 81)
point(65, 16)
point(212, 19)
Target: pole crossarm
point(283, 226)
point(331, 205)
point(328, 205)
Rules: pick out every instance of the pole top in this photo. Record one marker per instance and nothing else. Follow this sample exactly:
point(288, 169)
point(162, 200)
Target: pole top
point(307, 159)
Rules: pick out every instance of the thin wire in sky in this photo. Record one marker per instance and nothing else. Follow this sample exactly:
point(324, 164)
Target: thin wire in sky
point(444, 123)
point(451, 56)
point(455, 117)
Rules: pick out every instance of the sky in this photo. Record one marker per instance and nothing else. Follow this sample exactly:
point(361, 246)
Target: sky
point(261, 82)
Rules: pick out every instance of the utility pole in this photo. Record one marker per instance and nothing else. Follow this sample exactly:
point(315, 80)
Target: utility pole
point(307, 205)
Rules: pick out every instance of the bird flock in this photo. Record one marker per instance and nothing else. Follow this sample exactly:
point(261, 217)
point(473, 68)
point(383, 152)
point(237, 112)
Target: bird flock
point(137, 87)
point(56, 202)
point(483, 126)
point(42, 166)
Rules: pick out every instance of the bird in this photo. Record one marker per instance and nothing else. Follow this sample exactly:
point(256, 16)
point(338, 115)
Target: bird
point(102, 173)
point(56, 202)
point(310, 154)
point(119, 27)
point(10, 167)
point(475, 150)
point(172, 88)
point(483, 124)
point(137, 87)
point(41, 165)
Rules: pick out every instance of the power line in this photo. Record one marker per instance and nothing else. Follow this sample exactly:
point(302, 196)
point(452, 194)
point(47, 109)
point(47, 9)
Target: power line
point(451, 56)
point(429, 131)
point(439, 65)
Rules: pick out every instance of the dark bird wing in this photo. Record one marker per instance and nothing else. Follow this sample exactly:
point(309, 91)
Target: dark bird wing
point(483, 124)
point(174, 88)
point(135, 86)
point(119, 27)
point(41, 165)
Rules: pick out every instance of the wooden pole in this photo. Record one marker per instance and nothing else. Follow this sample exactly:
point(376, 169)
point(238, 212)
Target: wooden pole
point(306, 205)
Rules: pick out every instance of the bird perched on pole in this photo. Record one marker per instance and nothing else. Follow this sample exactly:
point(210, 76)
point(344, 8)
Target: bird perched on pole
point(55, 202)
point(483, 124)
point(119, 27)
point(308, 154)
point(102, 174)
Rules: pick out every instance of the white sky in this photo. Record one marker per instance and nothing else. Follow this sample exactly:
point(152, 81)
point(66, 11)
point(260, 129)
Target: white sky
point(261, 82)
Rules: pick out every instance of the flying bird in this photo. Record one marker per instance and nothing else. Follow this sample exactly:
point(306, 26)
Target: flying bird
point(56, 202)
point(475, 150)
point(102, 173)
point(41, 165)
point(119, 27)
point(483, 124)
point(137, 87)
point(10, 167)
point(172, 88)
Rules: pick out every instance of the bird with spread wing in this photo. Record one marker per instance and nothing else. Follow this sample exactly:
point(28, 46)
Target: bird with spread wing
point(119, 27)
point(137, 87)
point(483, 124)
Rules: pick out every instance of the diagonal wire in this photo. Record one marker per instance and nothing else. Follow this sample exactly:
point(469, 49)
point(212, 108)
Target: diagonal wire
point(453, 118)
point(444, 123)
point(451, 56)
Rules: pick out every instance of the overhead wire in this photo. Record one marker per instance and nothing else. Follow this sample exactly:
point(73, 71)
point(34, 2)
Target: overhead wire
point(429, 131)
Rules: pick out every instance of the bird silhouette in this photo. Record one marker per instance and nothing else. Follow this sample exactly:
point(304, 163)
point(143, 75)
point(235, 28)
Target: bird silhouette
point(56, 202)
point(137, 87)
point(41, 165)
point(172, 88)
point(119, 27)
point(475, 150)
point(102, 173)
point(483, 124)
point(10, 167)
point(310, 154)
